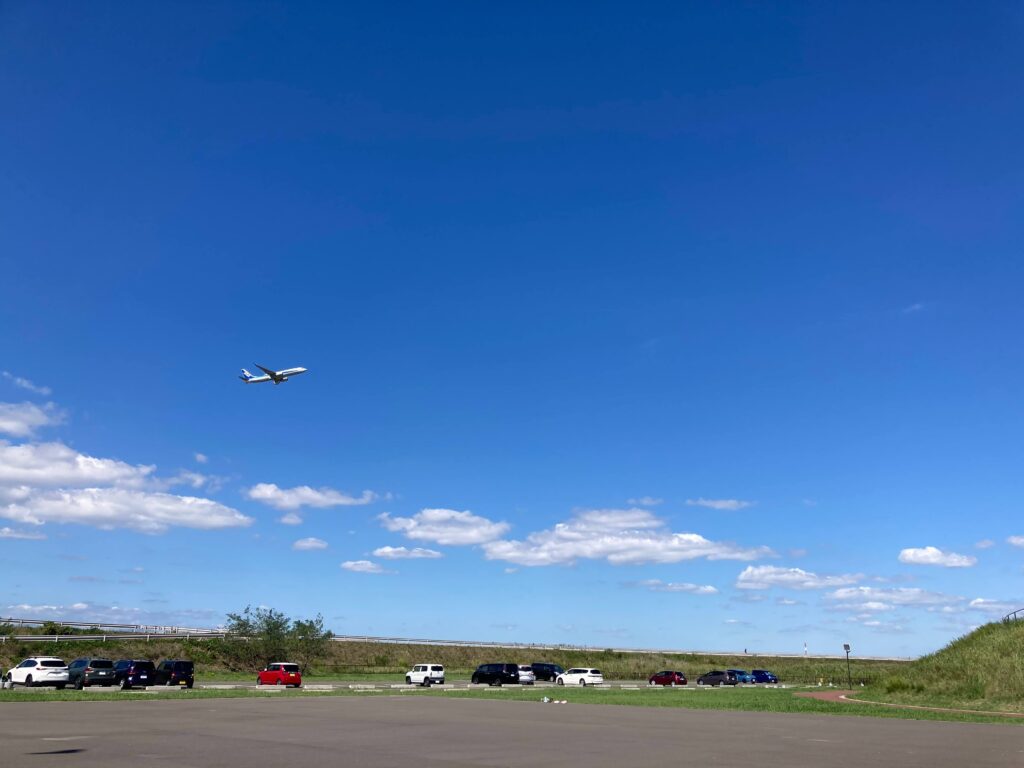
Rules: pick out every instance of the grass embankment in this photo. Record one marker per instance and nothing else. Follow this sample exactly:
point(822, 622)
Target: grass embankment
point(390, 661)
point(983, 670)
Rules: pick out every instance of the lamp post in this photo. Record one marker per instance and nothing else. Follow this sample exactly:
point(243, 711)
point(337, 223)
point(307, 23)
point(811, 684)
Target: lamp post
point(849, 678)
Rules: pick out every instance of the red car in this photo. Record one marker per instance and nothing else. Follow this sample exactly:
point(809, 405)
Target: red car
point(667, 678)
point(280, 673)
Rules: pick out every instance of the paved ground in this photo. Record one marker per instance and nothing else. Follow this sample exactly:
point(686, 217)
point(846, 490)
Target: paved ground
point(400, 731)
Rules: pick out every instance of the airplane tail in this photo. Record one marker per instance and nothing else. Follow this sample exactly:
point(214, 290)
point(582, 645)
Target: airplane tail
point(246, 376)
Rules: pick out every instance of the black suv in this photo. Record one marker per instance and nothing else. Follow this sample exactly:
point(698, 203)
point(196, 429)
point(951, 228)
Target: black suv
point(546, 671)
point(85, 672)
point(496, 674)
point(131, 673)
point(175, 672)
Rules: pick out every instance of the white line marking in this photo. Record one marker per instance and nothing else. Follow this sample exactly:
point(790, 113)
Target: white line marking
point(64, 738)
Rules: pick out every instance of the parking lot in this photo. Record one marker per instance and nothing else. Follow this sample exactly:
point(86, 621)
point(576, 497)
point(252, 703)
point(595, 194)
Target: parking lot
point(378, 731)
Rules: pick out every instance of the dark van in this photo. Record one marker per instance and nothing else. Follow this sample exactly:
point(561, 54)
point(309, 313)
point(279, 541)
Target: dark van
point(175, 672)
point(496, 674)
point(134, 673)
point(545, 671)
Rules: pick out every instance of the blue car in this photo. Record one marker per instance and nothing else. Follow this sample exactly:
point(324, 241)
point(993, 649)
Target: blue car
point(763, 676)
point(742, 676)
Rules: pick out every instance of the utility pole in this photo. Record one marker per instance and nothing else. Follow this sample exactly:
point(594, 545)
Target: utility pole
point(849, 678)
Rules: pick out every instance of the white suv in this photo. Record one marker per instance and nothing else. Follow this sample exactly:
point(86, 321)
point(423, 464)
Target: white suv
point(580, 676)
point(425, 674)
point(39, 670)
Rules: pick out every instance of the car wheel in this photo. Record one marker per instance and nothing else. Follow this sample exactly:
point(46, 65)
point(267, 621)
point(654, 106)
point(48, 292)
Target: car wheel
point(496, 681)
point(189, 686)
point(79, 683)
point(474, 680)
point(28, 681)
point(124, 684)
point(673, 684)
point(583, 682)
point(560, 681)
point(408, 680)
point(277, 682)
point(259, 681)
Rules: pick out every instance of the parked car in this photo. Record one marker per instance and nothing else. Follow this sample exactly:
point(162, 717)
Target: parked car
point(580, 676)
point(668, 677)
point(717, 677)
point(742, 676)
point(39, 670)
point(496, 674)
point(280, 673)
point(546, 671)
point(134, 673)
point(85, 672)
point(526, 675)
point(425, 674)
point(763, 676)
point(175, 672)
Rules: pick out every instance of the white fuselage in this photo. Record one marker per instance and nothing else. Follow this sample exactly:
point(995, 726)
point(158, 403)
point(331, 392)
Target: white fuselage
point(275, 376)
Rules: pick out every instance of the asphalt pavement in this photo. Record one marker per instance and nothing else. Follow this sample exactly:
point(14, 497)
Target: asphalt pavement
point(383, 730)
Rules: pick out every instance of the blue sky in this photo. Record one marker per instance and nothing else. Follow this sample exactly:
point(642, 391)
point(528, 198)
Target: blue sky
point(652, 325)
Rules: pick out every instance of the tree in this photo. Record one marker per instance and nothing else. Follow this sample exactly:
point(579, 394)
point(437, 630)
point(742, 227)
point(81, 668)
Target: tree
point(308, 641)
point(258, 636)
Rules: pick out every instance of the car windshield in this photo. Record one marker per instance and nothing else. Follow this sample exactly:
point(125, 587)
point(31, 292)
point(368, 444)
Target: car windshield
point(52, 663)
point(437, 668)
point(595, 671)
point(101, 664)
point(183, 666)
point(290, 667)
point(144, 666)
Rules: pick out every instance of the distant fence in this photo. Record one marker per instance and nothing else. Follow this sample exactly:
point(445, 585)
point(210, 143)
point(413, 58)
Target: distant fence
point(1017, 615)
point(153, 632)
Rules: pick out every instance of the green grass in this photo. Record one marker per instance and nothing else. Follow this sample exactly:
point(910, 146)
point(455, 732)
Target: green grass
point(744, 699)
point(983, 670)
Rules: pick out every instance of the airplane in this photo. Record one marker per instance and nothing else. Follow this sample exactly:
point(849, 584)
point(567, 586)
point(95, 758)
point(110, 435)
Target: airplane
point(275, 376)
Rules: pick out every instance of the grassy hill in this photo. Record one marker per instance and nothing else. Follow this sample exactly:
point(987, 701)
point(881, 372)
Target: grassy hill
point(981, 670)
point(389, 661)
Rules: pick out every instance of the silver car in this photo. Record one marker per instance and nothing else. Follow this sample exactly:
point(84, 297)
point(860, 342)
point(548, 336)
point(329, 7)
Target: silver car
point(526, 675)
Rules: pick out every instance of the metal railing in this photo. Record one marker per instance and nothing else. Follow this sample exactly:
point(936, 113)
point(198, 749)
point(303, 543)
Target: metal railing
point(1017, 615)
point(99, 626)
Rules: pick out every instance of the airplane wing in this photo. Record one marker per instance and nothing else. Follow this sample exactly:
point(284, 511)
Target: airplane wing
point(266, 370)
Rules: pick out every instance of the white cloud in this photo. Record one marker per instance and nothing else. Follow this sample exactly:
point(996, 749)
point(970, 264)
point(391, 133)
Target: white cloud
point(787, 601)
point(201, 458)
point(11, 533)
point(1017, 541)
point(994, 607)
point(362, 566)
point(768, 576)
point(304, 496)
point(290, 519)
point(985, 544)
point(645, 501)
point(402, 553)
point(656, 585)
point(875, 599)
point(55, 464)
point(727, 505)
point(110, 508)
point(23, 419)
point(935, 556)
point(445, 526)
point(22, 383)
point(310, 543)
point(912, 308)
point(620, 536)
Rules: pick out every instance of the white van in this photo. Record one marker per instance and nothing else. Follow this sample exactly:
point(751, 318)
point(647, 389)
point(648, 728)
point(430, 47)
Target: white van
point(425, 674)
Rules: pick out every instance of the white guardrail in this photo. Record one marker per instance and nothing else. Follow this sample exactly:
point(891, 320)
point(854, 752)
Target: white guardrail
point(153, 632)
